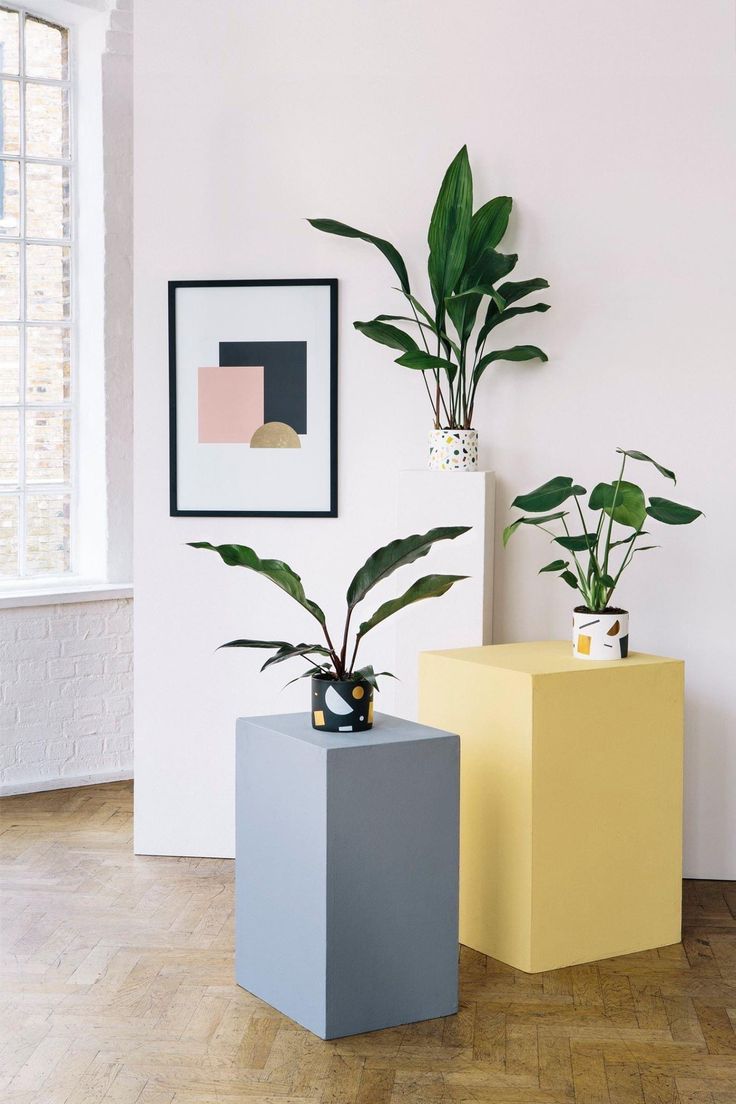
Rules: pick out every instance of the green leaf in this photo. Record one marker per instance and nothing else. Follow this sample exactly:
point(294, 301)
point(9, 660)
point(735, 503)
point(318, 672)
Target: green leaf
point(556, 565)
point(518, 352)
point(274, 645)
point(371, 676)
point(495, 317)
point(488, 268)
point(552, 493)
point(397, 554)
point(570, 579)
point(630, 508)
point(514, 290)
point(635, 455)
point(424, 362)
point(488, 226)
point(283, 576)
point(607, 581)
point(392, 336)
point(671, 513)
point(646, 548)
point(449, 227)
point(292, 651)
point(580, 543)
point(430, 586)
point(629, 539)
point(392, 255)
point(511, 529)
point(462, 310)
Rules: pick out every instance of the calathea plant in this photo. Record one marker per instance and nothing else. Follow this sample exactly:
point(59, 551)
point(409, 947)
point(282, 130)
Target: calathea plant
point(594, 560)
point(471, 297)
point(332, 661)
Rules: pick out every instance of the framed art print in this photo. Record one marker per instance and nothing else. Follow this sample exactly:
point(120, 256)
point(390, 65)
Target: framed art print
point(253, 398)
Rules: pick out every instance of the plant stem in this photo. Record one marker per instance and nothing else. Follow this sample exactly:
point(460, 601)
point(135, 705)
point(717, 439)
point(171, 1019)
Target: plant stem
point(344, 649)
point(339, 669)
point(355, 652)
point(610, 518)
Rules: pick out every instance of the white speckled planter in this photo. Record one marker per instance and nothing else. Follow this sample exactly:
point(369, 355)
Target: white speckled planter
point(600, 635)
point(453, 450)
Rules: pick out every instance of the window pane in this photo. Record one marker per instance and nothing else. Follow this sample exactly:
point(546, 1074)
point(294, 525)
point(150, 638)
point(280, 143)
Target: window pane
point(48, 446)
point(46, 50)
point(10, 198)
point(9, 446)
point(8, 535)
point(9, 117)
point(47, 282)
point(47, 534)
point(48, 364)
point(9, 281)
point(47, 201)
point(8, 41)
point(47, 121)
point(9, 363)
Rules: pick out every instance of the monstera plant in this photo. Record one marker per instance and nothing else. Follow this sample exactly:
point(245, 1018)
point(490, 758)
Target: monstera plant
point(600, 631)
point(448, 342)
point(342, 693)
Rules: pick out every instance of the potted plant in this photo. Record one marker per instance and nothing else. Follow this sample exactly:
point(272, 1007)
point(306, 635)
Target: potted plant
point(469, 301)
point(600, 630)
point(342, 693)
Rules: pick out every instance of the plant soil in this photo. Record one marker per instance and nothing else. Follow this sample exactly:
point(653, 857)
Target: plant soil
point(608, 609)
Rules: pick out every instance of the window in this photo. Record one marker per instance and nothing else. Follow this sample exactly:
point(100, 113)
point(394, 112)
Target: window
point(37, 428)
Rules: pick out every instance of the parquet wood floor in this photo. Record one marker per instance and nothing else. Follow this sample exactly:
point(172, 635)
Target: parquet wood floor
point(117, 986)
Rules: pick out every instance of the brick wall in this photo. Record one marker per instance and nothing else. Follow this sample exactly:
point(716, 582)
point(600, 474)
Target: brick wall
point(66, 709)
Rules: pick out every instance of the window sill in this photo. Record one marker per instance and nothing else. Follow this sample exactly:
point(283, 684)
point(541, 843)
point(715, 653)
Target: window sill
point(59, 592)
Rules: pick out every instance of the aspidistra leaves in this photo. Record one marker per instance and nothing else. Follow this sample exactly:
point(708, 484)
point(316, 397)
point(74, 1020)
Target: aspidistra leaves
point(517, 353)
point(514, 290)
point(384, 561)
point(430, 586)
point(390, 252)
point(425, 362)
point(385, 334)
point(449, 227)
point(488, 226)
point(283, 576)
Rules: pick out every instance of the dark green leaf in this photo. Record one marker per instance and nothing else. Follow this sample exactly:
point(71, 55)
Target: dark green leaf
point(635, 455)
point(570, 579)
point(488, 268)
point(392, 336)
point(449, 227)
point(239, 555)
point(274, 645)
point(370, 676)
point(629, 506)
point(430, 586)
point(424, 362)
point(397, 554)
point(556, 565)
point(514, 290)
point(293, 651)
point(518, 352)
point(488, 226)
point(511, 529)
point(671, 513)
point(462, 310)
point(646, 548)
point(629, 539)
point(607, 581)
point(392, 255)
point(580, 543)
point(552, 493)
point(495, 317)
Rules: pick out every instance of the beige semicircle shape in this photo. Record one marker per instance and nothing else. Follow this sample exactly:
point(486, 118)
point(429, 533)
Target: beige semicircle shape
point(275, 435)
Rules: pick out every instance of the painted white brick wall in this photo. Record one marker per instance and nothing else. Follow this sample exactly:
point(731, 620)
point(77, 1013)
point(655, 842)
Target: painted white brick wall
point(66, 702)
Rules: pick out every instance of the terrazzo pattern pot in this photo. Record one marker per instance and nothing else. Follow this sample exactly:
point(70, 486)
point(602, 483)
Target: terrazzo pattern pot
point(453, 450)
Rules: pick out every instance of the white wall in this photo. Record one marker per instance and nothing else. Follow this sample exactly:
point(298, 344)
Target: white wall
point(612, 126)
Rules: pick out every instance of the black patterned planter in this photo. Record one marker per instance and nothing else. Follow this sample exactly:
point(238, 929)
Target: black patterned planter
point(342, 706)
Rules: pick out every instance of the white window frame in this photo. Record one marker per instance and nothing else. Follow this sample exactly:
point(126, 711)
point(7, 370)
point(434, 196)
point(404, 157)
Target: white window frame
point(72, 405)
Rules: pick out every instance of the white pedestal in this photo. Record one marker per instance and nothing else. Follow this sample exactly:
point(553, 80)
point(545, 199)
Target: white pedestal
point(462, 617)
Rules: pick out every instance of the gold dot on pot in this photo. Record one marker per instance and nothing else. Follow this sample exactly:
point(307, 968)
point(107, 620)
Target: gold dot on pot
point(358, 692)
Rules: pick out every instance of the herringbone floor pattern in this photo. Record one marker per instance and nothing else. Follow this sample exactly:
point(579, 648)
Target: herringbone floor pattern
point(117, 986)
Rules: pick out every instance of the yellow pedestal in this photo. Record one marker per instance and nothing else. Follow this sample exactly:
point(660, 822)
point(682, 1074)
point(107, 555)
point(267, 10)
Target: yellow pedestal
point(571, 799)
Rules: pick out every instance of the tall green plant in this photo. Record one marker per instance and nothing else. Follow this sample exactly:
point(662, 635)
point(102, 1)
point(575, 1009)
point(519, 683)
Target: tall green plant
point(336, 657)
point(620, 503)
point(469, 298)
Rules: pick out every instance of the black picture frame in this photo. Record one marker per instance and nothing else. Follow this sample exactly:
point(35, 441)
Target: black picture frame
point(174, 511)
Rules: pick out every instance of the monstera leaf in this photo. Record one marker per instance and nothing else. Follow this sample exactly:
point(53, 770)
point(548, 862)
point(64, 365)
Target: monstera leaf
point(671, 513)
point(397, 554)
point(283, 576)
point(511, 529)
point(552, 493)
point(622, 501)
point(431, 586)
point(636, 455)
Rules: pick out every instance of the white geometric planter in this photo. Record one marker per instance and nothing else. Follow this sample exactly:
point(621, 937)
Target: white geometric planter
point(600, 635)
point(453, 450)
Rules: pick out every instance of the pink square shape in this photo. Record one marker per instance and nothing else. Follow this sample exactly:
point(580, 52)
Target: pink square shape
point(230, 407)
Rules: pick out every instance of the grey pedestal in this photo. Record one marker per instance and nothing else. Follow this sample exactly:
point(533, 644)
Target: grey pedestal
point(347, 872)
